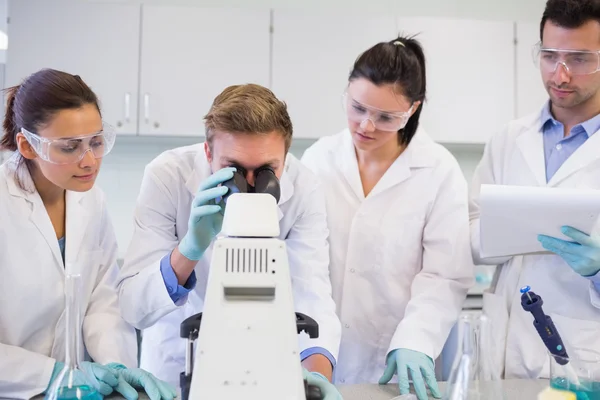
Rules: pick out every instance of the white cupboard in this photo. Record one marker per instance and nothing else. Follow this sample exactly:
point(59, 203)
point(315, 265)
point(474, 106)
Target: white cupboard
point(470, 76)
point(98, 41)
point(189, 55)
point(313, 54)
point(531, 94)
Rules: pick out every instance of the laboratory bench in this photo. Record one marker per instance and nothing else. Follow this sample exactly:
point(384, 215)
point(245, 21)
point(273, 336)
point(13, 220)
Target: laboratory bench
point(513, 389)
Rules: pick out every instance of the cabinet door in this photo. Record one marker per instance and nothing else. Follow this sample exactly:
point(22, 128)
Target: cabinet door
point(531, 93)
point(470, 76)
point(190, 55)
point(313, 54)
point(97, 41)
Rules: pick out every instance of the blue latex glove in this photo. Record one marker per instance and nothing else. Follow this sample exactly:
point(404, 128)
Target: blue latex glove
point(98, 376)
point(328, 390)
point(206, 217)
point(420, 366)
point(582, 255)
point(136, 378)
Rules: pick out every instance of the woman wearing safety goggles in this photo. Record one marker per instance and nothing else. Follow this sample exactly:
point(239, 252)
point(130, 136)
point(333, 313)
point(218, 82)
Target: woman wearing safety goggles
point(54, 223)
point(399, 227)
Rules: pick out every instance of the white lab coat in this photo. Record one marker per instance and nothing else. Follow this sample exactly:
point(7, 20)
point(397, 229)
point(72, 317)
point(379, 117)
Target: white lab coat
point(32, 302)
point(161, 219)
point(400, 258)
point(515, 156)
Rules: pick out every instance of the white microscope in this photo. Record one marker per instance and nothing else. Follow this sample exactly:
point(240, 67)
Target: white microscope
point(248, 330)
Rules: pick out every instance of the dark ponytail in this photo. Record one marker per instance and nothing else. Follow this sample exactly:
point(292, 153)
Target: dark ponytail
point(9, 139)
point(400, 62)
point(33, 104)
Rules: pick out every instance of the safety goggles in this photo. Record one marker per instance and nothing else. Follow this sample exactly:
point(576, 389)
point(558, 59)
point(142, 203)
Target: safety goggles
point(71, 150)
point(575, 62)
point(382, 120)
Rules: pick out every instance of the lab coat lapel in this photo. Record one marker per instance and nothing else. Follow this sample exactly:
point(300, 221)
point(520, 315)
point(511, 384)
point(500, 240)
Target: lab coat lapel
point(345, 159)
point(287, 190)
point(416, 155)
point(76, 220)
point(583, 156)
point(531, 146)
point(33, 205)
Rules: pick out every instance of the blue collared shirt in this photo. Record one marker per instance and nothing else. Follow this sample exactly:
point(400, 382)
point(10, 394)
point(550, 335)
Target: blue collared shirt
point(178, 294)
point(558, 148)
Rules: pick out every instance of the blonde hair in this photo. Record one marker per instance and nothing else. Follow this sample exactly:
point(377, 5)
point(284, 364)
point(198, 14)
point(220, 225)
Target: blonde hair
point(248, 109)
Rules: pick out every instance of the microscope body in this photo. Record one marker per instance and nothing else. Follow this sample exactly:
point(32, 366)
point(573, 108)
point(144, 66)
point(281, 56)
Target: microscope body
point(248, 331)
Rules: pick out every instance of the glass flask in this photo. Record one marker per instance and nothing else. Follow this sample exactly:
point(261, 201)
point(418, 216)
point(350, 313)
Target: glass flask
point(474, 375)
point(72, 383)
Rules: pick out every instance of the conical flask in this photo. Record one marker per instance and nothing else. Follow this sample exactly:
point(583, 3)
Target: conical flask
point(474, 375)
point(72, 383)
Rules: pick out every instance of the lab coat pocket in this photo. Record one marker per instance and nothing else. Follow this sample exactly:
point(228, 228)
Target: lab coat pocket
point(402, 239)
point(494, 306)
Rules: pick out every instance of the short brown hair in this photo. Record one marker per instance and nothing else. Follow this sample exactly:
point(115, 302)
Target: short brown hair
point(250, 109)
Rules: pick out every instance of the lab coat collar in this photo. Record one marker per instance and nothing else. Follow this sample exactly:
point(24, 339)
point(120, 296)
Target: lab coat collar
point(531, 144)
point(77, 212)
point(202, 171)
point(417, 155)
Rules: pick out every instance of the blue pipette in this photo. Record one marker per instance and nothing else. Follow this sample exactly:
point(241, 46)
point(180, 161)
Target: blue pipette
point(544, 325)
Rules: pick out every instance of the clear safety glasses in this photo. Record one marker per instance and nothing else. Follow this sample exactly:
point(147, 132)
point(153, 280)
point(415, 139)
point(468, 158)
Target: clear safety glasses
point(576, 62)
point(386, 121)
point(71, 150)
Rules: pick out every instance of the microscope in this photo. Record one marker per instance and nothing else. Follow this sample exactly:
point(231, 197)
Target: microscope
point(247, 335)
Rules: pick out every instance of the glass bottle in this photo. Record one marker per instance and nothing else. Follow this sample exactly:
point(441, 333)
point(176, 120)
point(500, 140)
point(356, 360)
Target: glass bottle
point(72, 383)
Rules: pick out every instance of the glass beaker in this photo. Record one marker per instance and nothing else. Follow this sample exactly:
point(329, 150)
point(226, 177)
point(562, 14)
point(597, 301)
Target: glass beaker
point(72, 382)
point(579, 373)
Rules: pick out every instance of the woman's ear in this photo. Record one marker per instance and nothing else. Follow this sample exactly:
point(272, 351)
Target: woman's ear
point(415, 107)
point(25, 148)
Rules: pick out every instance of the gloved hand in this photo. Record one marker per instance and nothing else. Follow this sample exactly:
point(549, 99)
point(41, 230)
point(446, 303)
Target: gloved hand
point(98, 376)
point(583, 255)
point(328, 390)
point(136, 378)
point(419, 365)
point(206, 217)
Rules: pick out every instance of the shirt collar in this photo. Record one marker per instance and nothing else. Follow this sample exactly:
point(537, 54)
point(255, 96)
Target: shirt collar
point(590, 126)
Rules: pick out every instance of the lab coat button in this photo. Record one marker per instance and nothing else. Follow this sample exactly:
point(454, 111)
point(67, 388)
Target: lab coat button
point(343, 380)
point(352, 270)
point(347, 326)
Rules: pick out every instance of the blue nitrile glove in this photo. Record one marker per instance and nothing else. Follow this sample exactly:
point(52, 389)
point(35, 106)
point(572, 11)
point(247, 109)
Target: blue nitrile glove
point(131, 379)
point(99, 377)
point(206, 217)
point(328, 390)
point(420, 366)
point(583, 255)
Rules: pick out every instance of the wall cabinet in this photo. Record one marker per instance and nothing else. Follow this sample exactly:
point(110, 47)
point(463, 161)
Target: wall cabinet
point(157, 68)
point(312, 57)
point(531, 93)
point(189, 55)
point(98, 41)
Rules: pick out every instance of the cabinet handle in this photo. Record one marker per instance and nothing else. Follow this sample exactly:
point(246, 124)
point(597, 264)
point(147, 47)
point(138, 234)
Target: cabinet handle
point(147, 107)
point(127, 102)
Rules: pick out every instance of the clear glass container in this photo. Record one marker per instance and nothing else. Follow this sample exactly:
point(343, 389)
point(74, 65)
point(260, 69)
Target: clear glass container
point(72, 383)
point(474, 375)
point(579, 373)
